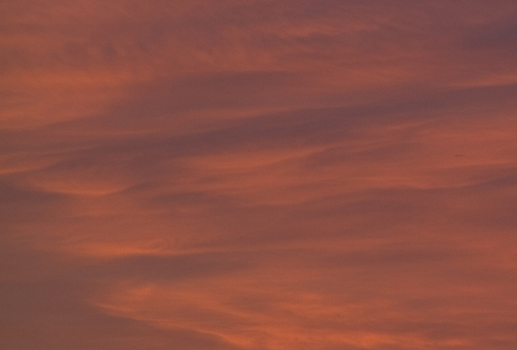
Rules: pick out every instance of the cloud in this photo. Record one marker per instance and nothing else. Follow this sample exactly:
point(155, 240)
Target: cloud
point(257, 175)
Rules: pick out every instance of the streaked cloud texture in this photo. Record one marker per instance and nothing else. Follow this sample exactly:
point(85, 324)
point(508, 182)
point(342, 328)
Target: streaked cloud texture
point(258, 175)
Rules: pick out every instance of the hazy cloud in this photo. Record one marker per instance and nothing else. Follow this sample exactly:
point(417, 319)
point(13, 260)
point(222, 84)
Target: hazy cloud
point(249, 175)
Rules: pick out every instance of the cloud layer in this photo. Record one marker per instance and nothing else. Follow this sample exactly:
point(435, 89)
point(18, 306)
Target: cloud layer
point(245, 175)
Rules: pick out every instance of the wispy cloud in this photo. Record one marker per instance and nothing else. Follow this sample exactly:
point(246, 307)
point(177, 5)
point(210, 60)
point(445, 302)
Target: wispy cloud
point(258, 175)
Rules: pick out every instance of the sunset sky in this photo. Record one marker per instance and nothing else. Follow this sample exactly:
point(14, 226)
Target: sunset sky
point(258, 175)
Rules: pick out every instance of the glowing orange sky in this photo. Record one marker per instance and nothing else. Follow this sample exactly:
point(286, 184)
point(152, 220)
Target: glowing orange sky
point(258, 175)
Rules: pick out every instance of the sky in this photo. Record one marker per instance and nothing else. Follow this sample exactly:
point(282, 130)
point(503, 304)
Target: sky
point(258, 175)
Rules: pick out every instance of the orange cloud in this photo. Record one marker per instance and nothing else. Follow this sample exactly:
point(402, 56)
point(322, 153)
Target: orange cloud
point(242, 175)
